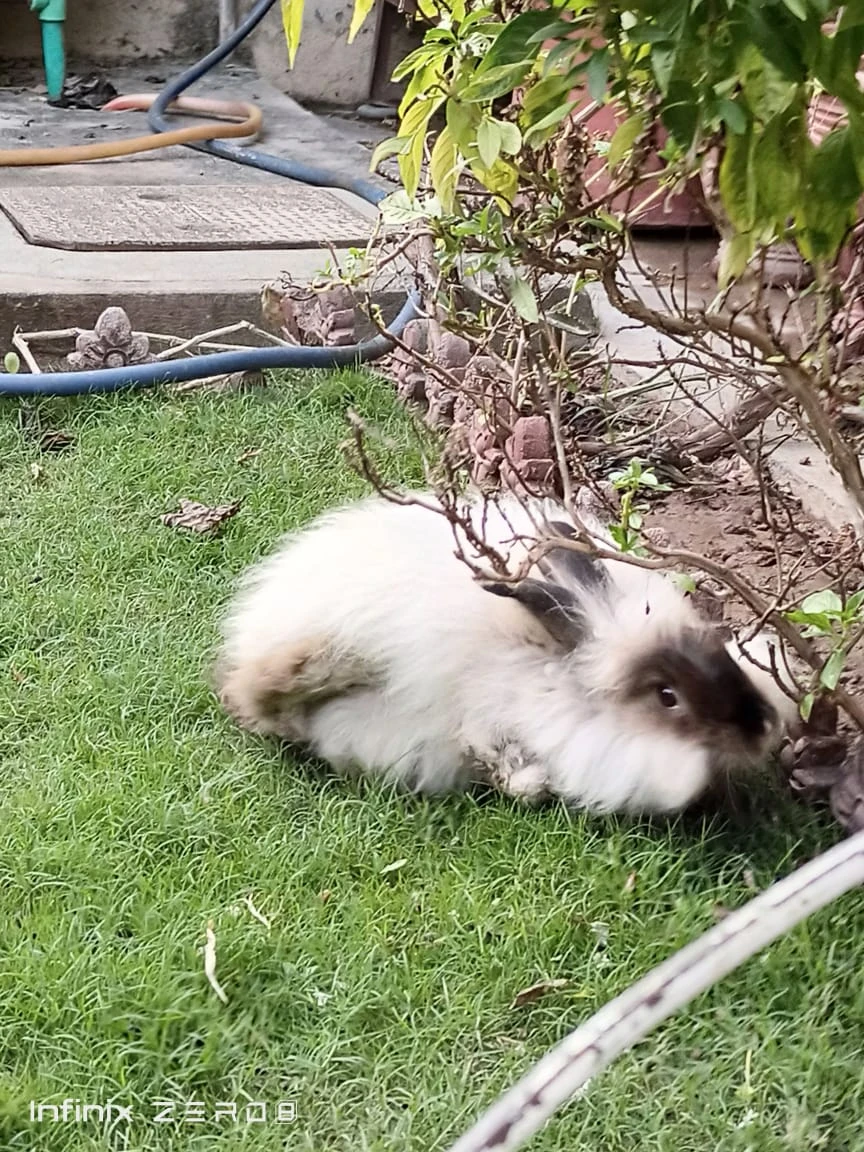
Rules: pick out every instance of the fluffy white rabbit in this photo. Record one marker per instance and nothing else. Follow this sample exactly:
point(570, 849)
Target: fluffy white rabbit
point(367, 638)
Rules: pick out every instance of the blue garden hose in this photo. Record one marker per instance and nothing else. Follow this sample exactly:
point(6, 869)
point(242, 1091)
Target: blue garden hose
point(294, 170)
point(253, 359)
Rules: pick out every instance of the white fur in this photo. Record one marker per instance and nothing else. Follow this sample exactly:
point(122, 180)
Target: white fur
point(458, 677)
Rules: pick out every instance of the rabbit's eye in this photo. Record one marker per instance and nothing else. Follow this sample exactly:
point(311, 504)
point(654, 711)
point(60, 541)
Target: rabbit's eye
point(667, 697)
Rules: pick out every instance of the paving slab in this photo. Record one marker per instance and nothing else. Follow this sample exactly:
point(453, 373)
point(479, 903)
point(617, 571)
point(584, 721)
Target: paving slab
point(111, 232)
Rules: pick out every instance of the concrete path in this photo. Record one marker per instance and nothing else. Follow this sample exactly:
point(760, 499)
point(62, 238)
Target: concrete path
point(177, 291)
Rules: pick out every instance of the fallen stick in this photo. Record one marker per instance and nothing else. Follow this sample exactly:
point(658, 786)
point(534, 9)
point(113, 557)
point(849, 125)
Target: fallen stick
point(521, 1111)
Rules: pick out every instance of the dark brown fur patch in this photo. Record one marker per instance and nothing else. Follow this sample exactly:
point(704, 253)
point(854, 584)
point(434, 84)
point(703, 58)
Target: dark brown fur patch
point(707, 679)
point(575, 569)
point(556, 608)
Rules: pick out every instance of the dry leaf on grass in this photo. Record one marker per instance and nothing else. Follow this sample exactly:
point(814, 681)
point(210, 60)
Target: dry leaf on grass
point(200, 517)
point(247, 900)
point(529, 995)
point(230, 382)
point(56, 441)
point(828, 769)
point(248, 454)
point(847, 794)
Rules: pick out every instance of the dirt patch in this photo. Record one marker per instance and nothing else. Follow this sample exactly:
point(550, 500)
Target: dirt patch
point(780, 551)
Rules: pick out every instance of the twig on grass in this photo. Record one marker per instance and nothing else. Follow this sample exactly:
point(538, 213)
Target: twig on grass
point(621, 1023)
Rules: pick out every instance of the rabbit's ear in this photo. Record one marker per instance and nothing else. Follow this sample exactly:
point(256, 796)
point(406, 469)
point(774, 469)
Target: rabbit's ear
point(555, 607)
point(571, 567)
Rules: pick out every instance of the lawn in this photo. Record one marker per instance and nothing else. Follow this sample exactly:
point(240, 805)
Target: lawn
point(379, 999)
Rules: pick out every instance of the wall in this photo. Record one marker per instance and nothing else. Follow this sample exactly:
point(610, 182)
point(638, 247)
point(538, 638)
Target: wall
point(107, 31)
point(327, 70)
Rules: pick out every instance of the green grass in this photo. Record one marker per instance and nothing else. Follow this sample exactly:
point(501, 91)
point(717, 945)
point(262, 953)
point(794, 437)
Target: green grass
point(133, 812)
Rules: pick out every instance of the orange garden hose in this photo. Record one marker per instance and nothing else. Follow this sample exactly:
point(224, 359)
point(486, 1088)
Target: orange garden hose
point(235, 119)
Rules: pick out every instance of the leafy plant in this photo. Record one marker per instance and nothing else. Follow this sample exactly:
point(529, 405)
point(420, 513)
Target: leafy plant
point(499, 170)
point(824, 615)
point(739, 74)
point(630, 482)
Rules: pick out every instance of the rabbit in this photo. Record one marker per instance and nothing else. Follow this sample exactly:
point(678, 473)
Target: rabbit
point(367, 638)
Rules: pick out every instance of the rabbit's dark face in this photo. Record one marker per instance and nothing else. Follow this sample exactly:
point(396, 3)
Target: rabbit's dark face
point(694, 688)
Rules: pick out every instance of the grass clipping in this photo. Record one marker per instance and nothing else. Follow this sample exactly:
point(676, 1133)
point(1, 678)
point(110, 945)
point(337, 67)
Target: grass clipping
point(210, 963)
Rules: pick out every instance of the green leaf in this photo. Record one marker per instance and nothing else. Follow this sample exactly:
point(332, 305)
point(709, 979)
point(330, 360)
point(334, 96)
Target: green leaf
point(523, 298)
point(414, 126)
point(495, 82)
point(806, 706)
point(362, 8)
point(488, 141)
point(607, 222)
point(779, 157)
point(826, 600)
point(511, 138)
point(829, 196)
point(292, 23)
point(797, 8)
point(737, 186)
point(597, 74)
point(684, 582)
point(398, 208)
point(545, 95)
point(563, 52)
point(663, 66)
point(11, 363)
point(852, 17)
point(411, 163)
point(733, 116)
point(680, 111)
point(426, 79)
point(538, 133)
point(818, 624)
point(832, 669)
point(625, 137)
point(735, 254)
point(512, 44)
point(501, 179)
point(393, 146)
point(780, 38)
point(463, 121)
point(425, 54)
point(553, 31)
point(838, 63)
point(444, 168)
point(766, 89)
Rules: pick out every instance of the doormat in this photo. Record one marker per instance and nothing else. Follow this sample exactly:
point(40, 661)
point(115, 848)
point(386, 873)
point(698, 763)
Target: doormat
point(183, 217)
